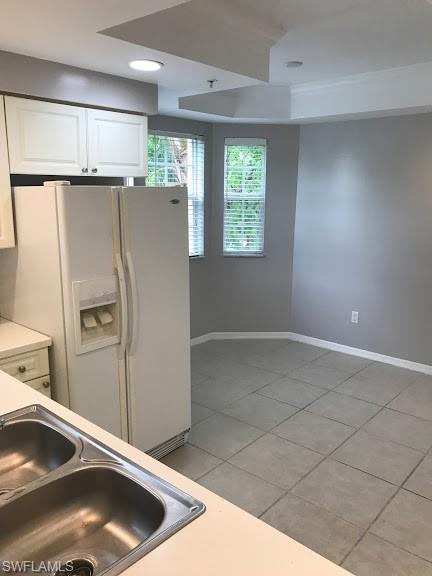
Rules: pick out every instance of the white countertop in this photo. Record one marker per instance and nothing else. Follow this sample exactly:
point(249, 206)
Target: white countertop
point(224, 541)
point(16, 339)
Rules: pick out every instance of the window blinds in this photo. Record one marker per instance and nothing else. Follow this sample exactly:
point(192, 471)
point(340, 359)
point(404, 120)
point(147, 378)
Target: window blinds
point(179, 160)
point(244, 196)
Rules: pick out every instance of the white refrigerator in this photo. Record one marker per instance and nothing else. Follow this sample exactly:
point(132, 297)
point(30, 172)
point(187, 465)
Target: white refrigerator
point(105, 272)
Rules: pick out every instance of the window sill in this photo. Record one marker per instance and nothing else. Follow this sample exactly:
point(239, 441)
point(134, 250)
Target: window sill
point(263, 255)
point(192, 258)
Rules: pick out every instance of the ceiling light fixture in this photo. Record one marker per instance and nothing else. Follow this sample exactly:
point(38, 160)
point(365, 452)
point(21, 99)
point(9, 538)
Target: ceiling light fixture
point(146, 65)
point(294, 64)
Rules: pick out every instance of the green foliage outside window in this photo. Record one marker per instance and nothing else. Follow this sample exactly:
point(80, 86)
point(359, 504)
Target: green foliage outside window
point(244, 199)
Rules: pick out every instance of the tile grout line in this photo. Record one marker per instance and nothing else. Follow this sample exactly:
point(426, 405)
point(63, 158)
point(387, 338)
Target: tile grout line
point(401, 549)
point(328, 457)
point(281, 376)
point(263, 433)
point(323, 459)
point(425, 454)
point(387, 504)
point(239, 363)
point(249, 364)
point(220, 411)
point(271, 506)
point(381, 511)
point(324, 456)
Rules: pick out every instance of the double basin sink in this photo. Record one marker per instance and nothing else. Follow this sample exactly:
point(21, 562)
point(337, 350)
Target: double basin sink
point(71, 506)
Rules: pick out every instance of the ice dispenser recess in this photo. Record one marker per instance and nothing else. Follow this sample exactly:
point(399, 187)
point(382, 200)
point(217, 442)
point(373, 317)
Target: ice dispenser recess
point(96, 311)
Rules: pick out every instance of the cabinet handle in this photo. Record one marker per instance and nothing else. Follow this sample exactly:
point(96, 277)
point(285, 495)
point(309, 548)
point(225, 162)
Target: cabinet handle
point(46, 384)
point(94, 170)
point(84, 170)
point(21, 369)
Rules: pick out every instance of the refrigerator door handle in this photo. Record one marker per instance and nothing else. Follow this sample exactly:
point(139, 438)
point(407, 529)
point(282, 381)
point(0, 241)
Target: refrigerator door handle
point(123, 303)
point(134, 294)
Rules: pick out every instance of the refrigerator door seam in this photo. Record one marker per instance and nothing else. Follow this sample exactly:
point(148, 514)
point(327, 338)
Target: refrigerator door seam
point(129, 360)
point(118, 265)
point(123, 338)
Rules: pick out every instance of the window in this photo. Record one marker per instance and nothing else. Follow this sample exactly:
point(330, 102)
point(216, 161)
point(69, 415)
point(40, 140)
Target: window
point(179, 160)
point(244, 196)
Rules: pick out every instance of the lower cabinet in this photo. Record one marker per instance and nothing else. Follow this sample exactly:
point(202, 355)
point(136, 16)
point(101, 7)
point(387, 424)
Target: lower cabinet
point(31, 368)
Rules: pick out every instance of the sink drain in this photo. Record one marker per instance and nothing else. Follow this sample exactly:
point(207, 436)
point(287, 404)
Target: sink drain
point(77, 567)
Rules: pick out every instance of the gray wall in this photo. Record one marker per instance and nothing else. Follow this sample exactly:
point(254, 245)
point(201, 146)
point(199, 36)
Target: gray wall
point(363, 235)
point(243, 294)
point(253, 294)
point(37, 78)
point(200, 268)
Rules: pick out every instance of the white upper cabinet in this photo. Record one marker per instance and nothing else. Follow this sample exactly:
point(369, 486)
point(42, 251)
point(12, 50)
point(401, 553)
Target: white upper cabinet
point(57, 139)
point(7, 236)
point(46, 138)
point(117, 143)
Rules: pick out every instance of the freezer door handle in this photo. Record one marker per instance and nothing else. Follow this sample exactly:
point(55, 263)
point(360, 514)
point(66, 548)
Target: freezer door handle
point(123, 303)
point(134, 295)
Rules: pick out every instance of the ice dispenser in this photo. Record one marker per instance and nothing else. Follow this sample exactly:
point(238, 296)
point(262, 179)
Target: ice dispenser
point(96, 312)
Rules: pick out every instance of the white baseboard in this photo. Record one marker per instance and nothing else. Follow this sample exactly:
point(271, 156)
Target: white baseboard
point(201, 339)
point(334, 346)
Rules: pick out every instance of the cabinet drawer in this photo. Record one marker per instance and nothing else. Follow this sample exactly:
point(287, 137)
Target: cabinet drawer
point(42, 385)
point(27, 366)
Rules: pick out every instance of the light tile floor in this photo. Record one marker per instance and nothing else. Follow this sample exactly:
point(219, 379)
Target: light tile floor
point(331, 449)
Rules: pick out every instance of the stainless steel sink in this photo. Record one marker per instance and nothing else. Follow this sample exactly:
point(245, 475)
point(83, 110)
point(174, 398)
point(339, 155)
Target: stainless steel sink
point(95, 513)
point(29, 450)
point(69, 504)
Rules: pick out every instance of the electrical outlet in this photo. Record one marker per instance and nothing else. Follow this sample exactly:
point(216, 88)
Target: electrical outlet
point(354, 317)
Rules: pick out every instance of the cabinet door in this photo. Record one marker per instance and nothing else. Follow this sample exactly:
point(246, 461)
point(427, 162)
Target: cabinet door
point(7, 237)
point(46, 138)
point(117, 143)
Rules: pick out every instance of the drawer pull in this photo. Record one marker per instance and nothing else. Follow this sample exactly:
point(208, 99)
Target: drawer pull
point(21, 369)
point(46, 384)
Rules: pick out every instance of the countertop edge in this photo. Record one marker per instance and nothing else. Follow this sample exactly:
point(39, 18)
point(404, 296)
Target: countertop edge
point(17, 339)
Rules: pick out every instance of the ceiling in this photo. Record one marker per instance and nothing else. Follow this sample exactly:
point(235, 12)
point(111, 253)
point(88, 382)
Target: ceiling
point(351, 37)
point(334, 38)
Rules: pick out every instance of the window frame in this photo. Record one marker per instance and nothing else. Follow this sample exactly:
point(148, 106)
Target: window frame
point(196, 137)
point(239, 141)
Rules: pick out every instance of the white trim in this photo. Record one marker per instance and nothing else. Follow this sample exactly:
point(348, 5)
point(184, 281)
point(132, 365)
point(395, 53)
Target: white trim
point(356, 79)
point(201, 339)
point(179, 135)
point(245, 141)
point(334, 346)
